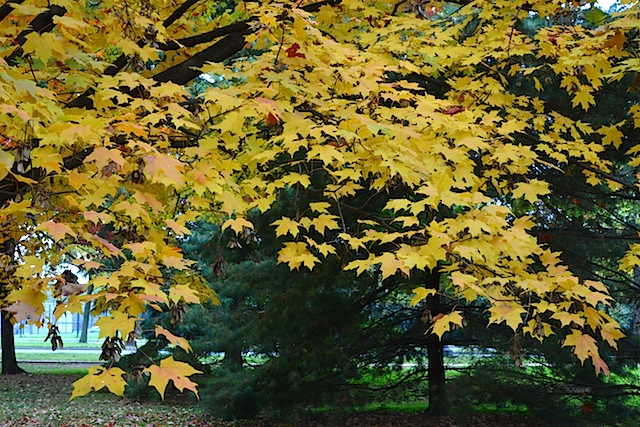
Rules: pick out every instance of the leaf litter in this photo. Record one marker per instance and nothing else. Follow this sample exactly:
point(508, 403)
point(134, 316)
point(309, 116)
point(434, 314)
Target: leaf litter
point(42, 400)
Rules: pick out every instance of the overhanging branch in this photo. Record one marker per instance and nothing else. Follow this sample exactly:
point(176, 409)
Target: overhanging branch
point(6, 8)
point(42, 23)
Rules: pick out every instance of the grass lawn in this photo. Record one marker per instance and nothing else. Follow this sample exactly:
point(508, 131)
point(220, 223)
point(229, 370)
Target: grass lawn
point(57, 356)
point(69, 340)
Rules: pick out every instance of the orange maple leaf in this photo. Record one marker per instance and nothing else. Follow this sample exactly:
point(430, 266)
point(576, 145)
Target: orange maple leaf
point(22, 312)
point(172, 370)
point(173, 339)
point(56, 230)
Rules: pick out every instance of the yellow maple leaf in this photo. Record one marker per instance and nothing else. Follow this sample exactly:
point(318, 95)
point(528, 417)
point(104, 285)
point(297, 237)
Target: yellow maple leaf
point(172, 257)
point(420, 293)
point(237, 224)
point(583, 97)
point(295, 254)
point(179, 229)
point(320, 207)
point(114, 322)
point(507, 311)
point(610, 332)
point(48, 158)
point(27, 9)
point(141, 249)
point(443, 323)
point(6, 163)
point(584, 346)
point(531, 190)
point(415, 257)
point(325, 222)
point(32, 265)
point(611, 135)
point(30, 296)
point(286, 226)
point(172, 370)
point(164, 169)
point(98, 378)
point(42, 45)
point(184, 292)
point(324, 248)
point(390, 264)
point(326, 153)
point(566, 318)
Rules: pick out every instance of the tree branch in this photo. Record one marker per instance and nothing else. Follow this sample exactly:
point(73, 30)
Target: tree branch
point(84, 101)
point(42, 23)
point(218, 52)
point(7, 8)
point(185, 71)
point(606, 175)
point(179, 12)
point(205, 37)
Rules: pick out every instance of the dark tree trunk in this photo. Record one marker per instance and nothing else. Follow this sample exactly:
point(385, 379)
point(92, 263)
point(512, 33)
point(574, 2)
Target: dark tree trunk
point(86, 315)
point(438, 402)
point(9, 362)
point(233, 359)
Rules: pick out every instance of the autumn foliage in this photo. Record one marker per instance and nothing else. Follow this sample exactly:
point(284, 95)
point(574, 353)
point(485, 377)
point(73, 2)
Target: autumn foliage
point(107, 158)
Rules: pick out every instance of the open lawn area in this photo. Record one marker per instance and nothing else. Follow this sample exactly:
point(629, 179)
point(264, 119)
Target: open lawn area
point(70, 340)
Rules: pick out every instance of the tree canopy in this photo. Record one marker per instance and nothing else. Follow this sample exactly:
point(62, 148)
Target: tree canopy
point(427, 121)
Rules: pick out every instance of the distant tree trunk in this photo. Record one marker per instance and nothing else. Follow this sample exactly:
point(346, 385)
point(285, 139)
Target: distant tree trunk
point(84, 332)
point(9, 361)
point(233, 358)
point(438, 402)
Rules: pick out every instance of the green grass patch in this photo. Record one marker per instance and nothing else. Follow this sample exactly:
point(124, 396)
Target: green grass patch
point(55, 369)
point(70, 340)
point(415, 406)
point(53, 356)
point(506, 408)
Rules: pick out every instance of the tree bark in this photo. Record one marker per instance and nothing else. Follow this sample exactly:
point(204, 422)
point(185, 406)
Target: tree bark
point(438, 401)
point(233, 359)
point(86, 315)
point(9, 361)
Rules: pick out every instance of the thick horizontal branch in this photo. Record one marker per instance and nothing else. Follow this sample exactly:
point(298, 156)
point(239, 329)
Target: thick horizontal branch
point(84, 101)
point(6, 8)
point(207, 37)
point(40, 24)
point(186, 71)
point(218, 52)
